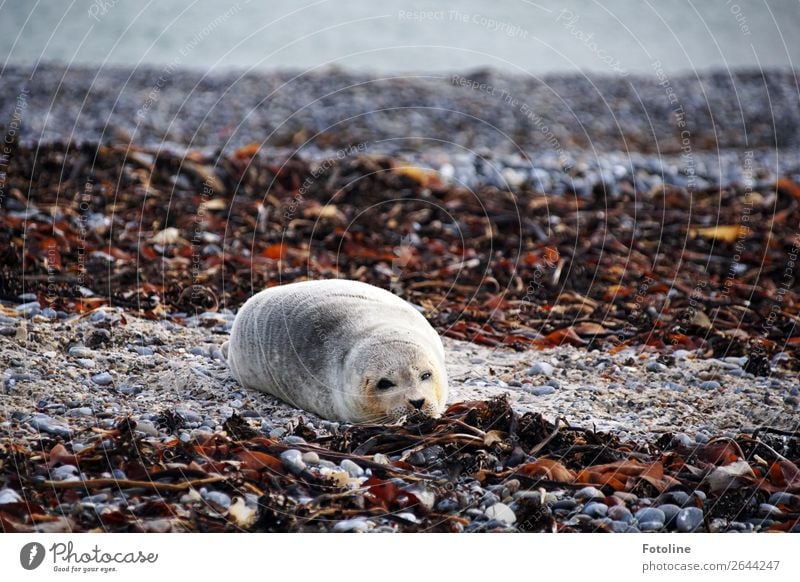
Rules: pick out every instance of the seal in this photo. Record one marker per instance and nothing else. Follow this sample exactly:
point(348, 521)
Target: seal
point(342, 349)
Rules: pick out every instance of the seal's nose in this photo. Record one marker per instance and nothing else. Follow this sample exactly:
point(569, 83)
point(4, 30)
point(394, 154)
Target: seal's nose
point(418, 404)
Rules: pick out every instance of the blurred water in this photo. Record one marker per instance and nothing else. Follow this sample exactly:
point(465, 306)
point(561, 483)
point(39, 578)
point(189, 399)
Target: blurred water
point(607, 36)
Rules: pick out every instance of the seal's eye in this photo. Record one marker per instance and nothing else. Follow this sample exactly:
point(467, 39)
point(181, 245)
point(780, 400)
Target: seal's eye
point(425, 376)
point(385, 384)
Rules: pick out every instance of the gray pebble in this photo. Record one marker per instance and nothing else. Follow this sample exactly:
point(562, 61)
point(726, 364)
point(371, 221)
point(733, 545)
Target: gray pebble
point(653, 366)
point(541, 368)
point(502, 513)
point(619, 526)
point(293, 460)
point(541, 390)
point(143, 350)
point(447, 506)
point(85, 363)
point(595, 509)
point(768, 510)
point(81, 411)
point(477, 360)
point(650, 514)
point(311, 458)
point(784, 498)
point(277, 433)
point(710, 385)
point(8, 331)
point(358, 524)
point(9, 496)
point(44, 423)
point(220, 498)
point(674, 387)
point(28, 309)
point(102, 379)
point(80, 352)
point(650, 525)
point(589, 493)
point(620, 513)
point(566, 504)
point(670, 512)
point(352, 469)
point(689, 519)
point(64, 473)
point(294, 440)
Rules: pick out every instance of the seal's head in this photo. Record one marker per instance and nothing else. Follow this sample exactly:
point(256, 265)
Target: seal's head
point(397, 377)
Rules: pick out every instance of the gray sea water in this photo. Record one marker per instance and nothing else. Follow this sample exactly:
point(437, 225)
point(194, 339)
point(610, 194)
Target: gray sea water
point(547, 36)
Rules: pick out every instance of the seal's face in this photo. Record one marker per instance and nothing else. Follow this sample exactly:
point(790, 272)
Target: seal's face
point(406, 382)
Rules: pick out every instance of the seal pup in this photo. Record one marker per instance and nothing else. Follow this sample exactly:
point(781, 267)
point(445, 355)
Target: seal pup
point(342, 349)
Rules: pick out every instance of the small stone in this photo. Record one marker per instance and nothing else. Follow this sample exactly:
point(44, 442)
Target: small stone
point(541, 369)
point(80, 352)
point(543, 390)
point(358, 524)
point(674, 387)
point(220, 498)
point(595, 509)
point(588, 493)
point(85, 363)
point(82, 411)
point(650, 514)
point(64, 473)
point(294, 440)
point(311, 458)
point(670, 512)
point(447, 506)
point(44, 423)
point(710, 385)
point(682, 440)
point(8, 331)
point(477, 360)
point(102, 379)
point(768, 510)
point(784, 498)
point(293, 460)
point(352, 469)
point(564, 504)
point(620, 513)
point(653, 366)
point(143, 350)
point(502, 513)
point(9, 496)
point(650, 525)
point(28, 309)
point(689, 519)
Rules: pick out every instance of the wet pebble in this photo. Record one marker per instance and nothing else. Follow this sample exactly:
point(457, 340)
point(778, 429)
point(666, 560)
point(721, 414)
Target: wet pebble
point(588, 493)
point(44, 423)
point(352, 525)
point(650, 525)
point(102, 379)
point(670, 512)
point(294, 440)
point(352, 469)
point(218, 497)
point(293, 460)
point(620, 513)
point(541, 369)
point(543, 390)
point(595, 509)
point(502, 513)
point(311, 458)
point(80, 352)
point(710, 385)
point(447, 506)
point(650, 514)
point(768, 510)
point(9, 496)
point(654, 366)
point(689, 519)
